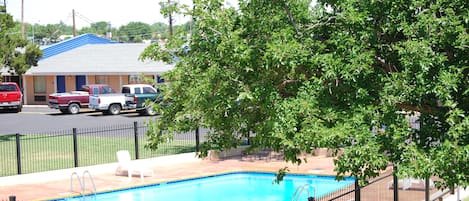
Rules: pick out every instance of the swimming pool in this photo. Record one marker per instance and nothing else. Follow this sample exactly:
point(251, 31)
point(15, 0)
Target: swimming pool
point(246, 186)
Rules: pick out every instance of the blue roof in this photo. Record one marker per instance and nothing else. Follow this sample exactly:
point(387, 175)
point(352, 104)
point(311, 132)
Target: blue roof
point(73, 43)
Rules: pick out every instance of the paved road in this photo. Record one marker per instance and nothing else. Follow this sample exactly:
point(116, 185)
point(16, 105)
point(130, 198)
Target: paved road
point(36, 119)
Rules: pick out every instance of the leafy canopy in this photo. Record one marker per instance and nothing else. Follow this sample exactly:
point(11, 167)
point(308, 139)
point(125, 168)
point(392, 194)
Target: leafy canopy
point(16, 54)
point(343, 75)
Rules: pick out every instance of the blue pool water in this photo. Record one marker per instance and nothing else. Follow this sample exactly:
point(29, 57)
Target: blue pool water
point(245, 186)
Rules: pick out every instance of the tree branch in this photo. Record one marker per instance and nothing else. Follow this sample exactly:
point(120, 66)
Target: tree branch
point(386, 66)
point(285, 82)
point(292, 20)
point(428, 109)
point(216, 31)
point(321, 23)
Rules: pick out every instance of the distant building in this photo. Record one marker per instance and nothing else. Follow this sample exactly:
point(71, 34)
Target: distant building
point(87, 59)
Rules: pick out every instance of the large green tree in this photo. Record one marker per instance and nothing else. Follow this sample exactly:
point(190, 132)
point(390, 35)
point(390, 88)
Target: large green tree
point(100, 28)
point(343, 75)
point(134, 32)
point(48, 34)
point(16, 53)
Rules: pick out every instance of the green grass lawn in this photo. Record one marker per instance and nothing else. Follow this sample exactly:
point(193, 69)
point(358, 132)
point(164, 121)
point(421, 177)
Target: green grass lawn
point(46, 152)
point(466, 199)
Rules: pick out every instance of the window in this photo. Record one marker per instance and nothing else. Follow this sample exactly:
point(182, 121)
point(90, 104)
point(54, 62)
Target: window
point(95, 90)
point(148, 90)
point(7, 87)
point(107, 90)
point(40, 98)
point(125, 90)
point(102, 79)
point(135, 79)
point(40, 84)
point(138, 91)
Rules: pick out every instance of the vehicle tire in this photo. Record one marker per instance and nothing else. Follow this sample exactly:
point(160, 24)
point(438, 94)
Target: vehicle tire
point(114, 109)
point(74, 108)
point(18, 110)
point(150, 111)
point(141, 112)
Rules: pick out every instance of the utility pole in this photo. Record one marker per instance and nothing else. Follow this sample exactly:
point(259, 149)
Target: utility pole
point(169, 8)
point(3, 7)
point(170, 20)
point(109, 31)
point(74, 25)
point(22, 19)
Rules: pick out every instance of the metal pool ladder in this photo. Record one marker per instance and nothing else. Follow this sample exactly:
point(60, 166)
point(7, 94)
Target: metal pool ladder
point(82, 182)
point(300, 189)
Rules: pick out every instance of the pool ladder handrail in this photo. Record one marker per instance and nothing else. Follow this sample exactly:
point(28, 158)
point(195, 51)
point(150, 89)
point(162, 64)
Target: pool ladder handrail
point(300, 189)
point(82, 182)
point(79, 181)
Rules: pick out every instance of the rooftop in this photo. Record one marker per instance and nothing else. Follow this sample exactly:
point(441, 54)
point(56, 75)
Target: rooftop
point(100, 59)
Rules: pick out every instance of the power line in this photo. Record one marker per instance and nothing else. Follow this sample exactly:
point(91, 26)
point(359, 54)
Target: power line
point(82, 17)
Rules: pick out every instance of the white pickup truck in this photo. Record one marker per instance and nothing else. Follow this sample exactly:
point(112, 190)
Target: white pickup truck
point(130, 97)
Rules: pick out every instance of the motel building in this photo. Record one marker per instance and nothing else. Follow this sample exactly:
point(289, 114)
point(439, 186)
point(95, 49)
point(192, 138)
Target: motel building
point(87, 59)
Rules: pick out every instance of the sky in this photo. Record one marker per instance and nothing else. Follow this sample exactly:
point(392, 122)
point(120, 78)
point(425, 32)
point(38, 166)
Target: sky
point(117, 12)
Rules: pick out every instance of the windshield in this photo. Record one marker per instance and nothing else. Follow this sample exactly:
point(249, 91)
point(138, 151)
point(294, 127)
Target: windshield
point(7, 87)
point(108, 90)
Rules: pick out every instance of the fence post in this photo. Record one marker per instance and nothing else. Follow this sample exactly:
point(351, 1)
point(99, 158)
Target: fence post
point(357, 190)
point(137, 155)
point(395, 183)
point(75, 147)
point(427, 189)
point(197, 140)
point(18, 153)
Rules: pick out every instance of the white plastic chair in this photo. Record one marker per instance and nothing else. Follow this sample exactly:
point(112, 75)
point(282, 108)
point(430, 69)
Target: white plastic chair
point(404, 182)
point(126, 164)
point(420, 182)
point(408, 182)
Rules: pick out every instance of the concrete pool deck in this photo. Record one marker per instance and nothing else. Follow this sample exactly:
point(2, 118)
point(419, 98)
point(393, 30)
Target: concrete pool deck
point(56, 184)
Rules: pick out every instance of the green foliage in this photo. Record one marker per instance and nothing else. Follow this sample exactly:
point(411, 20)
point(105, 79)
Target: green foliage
point(279, 176)
point(99, 28)
point(16, 53)
point(49, 33)
point(132, 32)
point(343, 75)
point(168, 7)
point(135, 32)
point(160, 29)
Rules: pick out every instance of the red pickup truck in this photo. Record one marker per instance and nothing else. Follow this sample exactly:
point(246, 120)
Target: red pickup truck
point(71, 102)
point(11, 96)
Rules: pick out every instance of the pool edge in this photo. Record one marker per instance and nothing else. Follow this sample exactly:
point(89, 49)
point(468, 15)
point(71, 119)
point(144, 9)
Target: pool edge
point(169, 181)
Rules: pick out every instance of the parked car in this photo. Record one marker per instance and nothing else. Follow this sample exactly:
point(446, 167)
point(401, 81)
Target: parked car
point(132, 96)
point(71, 102)
point(11, 96)
point(143, 93)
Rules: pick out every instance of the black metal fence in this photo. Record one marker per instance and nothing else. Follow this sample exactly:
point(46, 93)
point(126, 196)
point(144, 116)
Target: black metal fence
point(345, 194)
point(10, 198)
point(37, 152)
point(382, 188)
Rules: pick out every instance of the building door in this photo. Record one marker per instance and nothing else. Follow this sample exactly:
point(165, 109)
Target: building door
point(80, 80)
point(60, 84)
